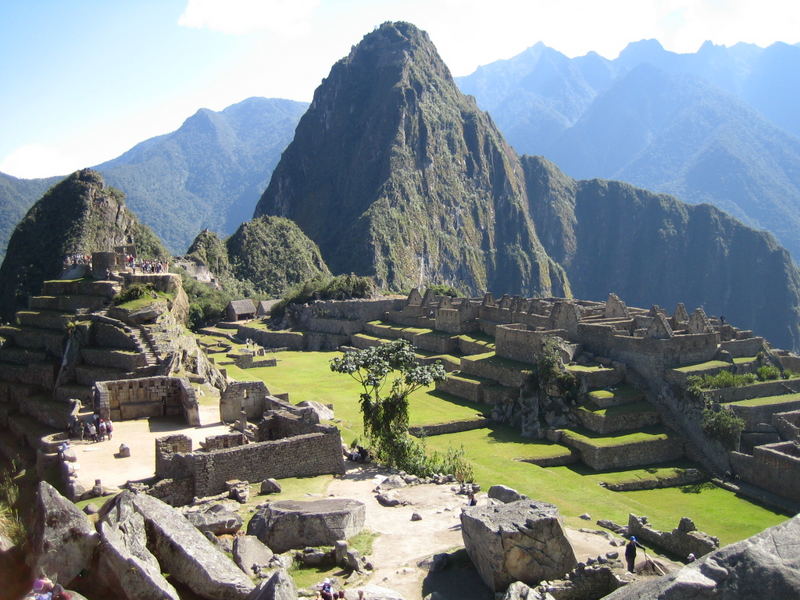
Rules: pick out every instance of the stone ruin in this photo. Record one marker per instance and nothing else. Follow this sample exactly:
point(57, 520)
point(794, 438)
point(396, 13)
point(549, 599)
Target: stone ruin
point(682, 541)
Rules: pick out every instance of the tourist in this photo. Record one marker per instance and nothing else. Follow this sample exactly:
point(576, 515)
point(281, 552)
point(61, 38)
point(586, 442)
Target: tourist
point(472, 500)
point(59, 593)
point(327, 590)
point(92, 432)
point(691, 557)
point(109, 428)
point(86, 433)
point(630, 553)
point(101, 430)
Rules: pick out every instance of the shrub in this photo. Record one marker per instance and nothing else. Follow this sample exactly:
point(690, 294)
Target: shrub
point(723, 379)
point(443, 289)
point(135, 291)
point(768, 373)
point(340, 287)
point(722, 424)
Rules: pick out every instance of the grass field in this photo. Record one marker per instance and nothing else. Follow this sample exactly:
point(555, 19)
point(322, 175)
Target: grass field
point(495, 454)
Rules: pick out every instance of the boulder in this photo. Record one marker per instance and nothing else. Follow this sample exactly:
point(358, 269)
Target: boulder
point(393, 482)
point(278, 587)
point(289, 524)
point(766, 565)
point(505, 494)
point(270, 486)
point(322, 412)
point(238, 490)
point(216, 518)
point(62, 537)
point(388, 501)
point(519, 541)
point(187, 555)
point(249, 553)
point(374, 592)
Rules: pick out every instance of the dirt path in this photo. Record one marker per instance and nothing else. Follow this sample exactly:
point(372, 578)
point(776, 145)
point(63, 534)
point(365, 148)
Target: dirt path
point(403, 545)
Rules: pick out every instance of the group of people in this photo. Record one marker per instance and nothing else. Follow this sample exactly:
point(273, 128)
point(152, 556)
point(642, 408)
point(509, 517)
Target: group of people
point(326, 592)
point(146, 266)
point(96, 429)
point(72, 260)
point(44, 589)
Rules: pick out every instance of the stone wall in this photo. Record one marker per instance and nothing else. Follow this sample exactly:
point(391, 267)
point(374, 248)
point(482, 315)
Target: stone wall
point(125, 399)
point(787, 424)
point(107, 335)
point(450, 427)
point(291, 340)
point(746, 347)
point(753, 415)
point(602, 458)
point(774, 467)
point(755, 390)
point(248, 396)
point(680, 542)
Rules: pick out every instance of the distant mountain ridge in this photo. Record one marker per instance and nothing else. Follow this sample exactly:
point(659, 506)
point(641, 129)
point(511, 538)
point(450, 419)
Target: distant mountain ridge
point(209, 173)
point(395, 174)
point(718, 126)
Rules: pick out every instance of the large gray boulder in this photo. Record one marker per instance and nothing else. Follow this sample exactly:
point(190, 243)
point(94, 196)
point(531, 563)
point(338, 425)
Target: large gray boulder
point(278, 587)
point(289, 524)
point(216, 518)
point(519, 541)
point(520, 591)
point(249, 554)
point(187, 555)
point(62, 537)
point(125, 565)
point(766, 565)
point(505, 494)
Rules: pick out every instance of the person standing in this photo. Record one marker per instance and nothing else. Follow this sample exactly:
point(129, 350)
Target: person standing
point(630, 553)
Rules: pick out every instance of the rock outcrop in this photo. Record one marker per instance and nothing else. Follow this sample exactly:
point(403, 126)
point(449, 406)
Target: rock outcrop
point(217, 518)
point(766, 565)
point(62, 538)
point(278, 587)
point(187, 555)
point(519, 541)
point(505, 494)
point(250, 554)
point(288, 524)
point(682, 541)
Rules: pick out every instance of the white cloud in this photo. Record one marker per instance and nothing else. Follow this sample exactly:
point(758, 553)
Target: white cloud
point(287, 17)
point(40, 160)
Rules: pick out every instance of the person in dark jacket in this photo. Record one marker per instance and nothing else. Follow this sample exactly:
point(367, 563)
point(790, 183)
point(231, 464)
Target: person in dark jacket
point(630, 553)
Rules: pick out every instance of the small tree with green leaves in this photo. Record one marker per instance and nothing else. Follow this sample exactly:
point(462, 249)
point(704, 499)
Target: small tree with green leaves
point(388, 374)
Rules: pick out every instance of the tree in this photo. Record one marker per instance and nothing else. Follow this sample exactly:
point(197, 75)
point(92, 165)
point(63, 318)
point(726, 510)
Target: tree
point(384, 398)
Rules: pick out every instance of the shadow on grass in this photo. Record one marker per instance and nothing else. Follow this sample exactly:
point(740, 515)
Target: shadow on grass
point(458, 579)
point(696, 488)
point(481, 409)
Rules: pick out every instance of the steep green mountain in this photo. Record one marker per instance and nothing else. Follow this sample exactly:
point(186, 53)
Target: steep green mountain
point(704, 126)
point(79, 215)
point(208, 173)
point(651, 248)
point(16, 197)
point(396, 174)
point(274, 254)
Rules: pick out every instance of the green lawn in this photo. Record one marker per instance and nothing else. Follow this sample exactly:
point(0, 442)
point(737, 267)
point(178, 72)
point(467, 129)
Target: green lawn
point(711, 364)
point(781, 399)
point(587, 368)
point(495, 451)
point(610, 440)
point(622, 392)
point(743, 360)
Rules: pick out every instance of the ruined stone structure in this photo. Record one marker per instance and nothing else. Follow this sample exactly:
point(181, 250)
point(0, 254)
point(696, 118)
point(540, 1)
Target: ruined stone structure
point(682, 541)
point(146, 397)
point(288, 443)
point(631, 369)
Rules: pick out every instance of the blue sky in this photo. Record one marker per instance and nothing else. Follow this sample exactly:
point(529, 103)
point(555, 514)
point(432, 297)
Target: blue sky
point(84, 80)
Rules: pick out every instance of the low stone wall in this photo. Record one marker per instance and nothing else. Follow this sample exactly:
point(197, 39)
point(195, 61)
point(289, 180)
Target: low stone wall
point(774, 467)
point(315, 341)
point(603, 424)
point(746, 347)
point(756, 390)
point(124, 360)
point(787, 424)
point(362, 341)
point(450, 427)
point(80, 287)
point(601, 458)
point(223, 440)
point(435, 342)
point(291, 340)
point(110, 336)
point(468, 389)
point(125, 399)
point(680, 542)
point(38, 374)
point(175, 492)
point(335, 326)
point(238, 396)
point(753, 415)
point(506, 375)
point(685, 477)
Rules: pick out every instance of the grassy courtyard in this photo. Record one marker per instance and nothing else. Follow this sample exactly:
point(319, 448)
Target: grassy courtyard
point(496, 452)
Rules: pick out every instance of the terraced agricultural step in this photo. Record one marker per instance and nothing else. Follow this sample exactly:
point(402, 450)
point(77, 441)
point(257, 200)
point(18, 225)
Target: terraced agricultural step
point(595, 376)
point(392, 332)
point(462, 385)
point(679, 375)
point(762, 389)
point(449, 362)
point(614, 396)
point(604, 452)
point(35, 373)
point(760, 410)
point(362, 340)
point(505, 371)
point(76, 391)
point(88, 375)
point(475, 343)
point(625, 417)
point(449, 427)
point(29, 429)
point(115, 359)
point(566, 456)
point(44, 319)
point(33, 338)
point(80, 287)
point(21, 356)
point(47, 411)
point(68, 303)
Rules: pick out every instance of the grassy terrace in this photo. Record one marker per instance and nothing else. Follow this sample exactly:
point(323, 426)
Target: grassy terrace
point(767, 400)
point(587, 368)
point(401, 329)
point(622, 392)
point(499, 361)
point(478, 338)
point(650, 434)
point(711, 364)
point(622, 409)
point(495, 454)
point(744, 360)
point(147, 300)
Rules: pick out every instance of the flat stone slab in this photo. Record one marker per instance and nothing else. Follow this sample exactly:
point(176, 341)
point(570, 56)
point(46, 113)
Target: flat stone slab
point(289, 524)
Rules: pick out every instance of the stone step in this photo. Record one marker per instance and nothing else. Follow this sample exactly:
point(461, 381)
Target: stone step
point(449, 362)
point(47, 411)
point(679, 375)
point(762, 389)
point(623, 450)
point(116, 359)
point(68, 303)
point(504, 371)
point(462, 385)
point(21, 356)
point(80, 287)
point(625, 417)
point(32, 338)
point(41, 374)
point(473, 343)
point(449, 427)
point(362, 341)
point(88, 375)
point(595, 376)
point(613, 396)
point(44, 319)
point(760, 410)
